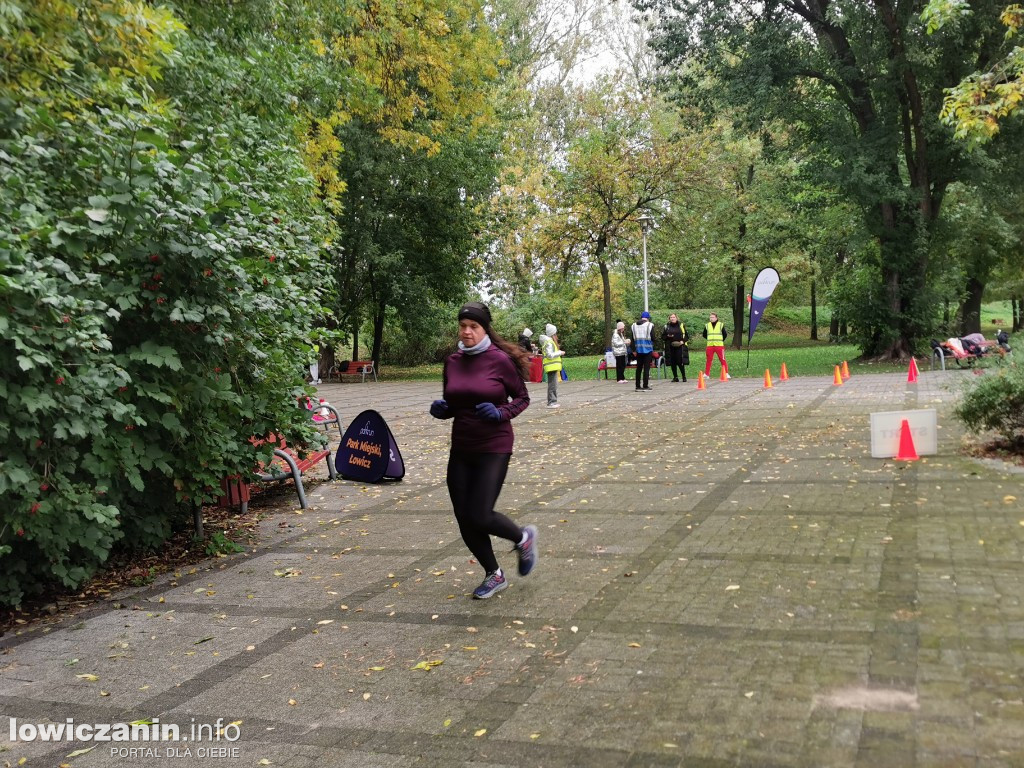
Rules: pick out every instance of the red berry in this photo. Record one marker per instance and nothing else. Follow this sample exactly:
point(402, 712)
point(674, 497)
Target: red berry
point(21, 531)
point(44, 487)
point(154, 257)
point(65, 319)
point(35, 508)
point(59, 380)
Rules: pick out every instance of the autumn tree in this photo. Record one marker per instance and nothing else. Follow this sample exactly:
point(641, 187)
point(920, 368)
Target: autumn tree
point(861, 86)
point(629, 159)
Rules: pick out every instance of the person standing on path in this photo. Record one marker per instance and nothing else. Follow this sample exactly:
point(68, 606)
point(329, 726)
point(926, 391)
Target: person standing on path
point(620, 349)
point(643, 345)
point(716, 334)
point(526, 341)
point(552, 362)
point(484, 387)
point(675, 336)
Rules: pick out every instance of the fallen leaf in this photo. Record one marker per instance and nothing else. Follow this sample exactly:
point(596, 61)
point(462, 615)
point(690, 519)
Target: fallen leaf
point(292, 702)
point(78, 752)
point(366, 696)
point(428, 664)
point(481, 732)
point(731, 587)
point(634, 645)
point(88, 676)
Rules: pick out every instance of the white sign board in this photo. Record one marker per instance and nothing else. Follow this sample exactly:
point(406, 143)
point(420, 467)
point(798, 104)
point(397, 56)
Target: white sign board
point(885, 432)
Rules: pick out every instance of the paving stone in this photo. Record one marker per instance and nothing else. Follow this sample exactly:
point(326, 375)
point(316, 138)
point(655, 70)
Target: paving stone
point(727, 579)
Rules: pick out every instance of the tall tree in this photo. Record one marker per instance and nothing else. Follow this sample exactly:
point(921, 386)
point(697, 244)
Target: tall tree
point(863, 86)
point(630, 159)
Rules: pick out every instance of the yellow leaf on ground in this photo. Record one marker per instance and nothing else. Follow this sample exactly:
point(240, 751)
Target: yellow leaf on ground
point(481, 732)
point(428, 664)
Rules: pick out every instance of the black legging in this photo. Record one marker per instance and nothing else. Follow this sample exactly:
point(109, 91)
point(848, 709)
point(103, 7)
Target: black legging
point(620, 367)
point(474, 482)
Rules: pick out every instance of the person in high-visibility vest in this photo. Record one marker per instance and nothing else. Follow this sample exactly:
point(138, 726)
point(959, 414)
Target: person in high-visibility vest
point(552, 362)
point(643, 345)
point(716, 334)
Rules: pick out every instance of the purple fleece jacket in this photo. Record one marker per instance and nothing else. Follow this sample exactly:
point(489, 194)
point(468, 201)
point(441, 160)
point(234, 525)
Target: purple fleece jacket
point(490, 377)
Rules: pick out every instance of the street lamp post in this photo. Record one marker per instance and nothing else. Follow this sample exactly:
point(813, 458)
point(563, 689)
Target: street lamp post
point(646, 221)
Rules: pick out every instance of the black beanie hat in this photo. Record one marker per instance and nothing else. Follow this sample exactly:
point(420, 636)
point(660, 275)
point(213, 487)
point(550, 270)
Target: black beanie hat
point(474, 310)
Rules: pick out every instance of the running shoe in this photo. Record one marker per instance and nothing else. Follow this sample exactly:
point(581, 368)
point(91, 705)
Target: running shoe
point(495, 582)
point(528, 551)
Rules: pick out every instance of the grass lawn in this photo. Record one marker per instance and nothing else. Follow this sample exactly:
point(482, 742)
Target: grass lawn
point(782, 337)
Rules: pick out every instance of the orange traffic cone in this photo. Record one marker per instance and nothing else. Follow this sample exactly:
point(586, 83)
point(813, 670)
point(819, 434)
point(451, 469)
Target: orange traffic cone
point(912, 372)
point(725, 374)
point(700, 380)
point(768, 379)
point(845, 371)
point(783, 374)
point(837, 380)
point(907, 450)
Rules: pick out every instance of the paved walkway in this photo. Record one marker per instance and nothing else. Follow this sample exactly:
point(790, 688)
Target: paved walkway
point(727, 579)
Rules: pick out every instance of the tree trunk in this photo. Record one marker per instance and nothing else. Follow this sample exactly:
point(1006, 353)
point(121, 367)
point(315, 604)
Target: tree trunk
point(1016, 309)
point(738, 305)
point(814, 309)
point(970, 309)
point(833, 328)
point(378, 334)
point(844, 332)
point(355, 337)
point(606, 286)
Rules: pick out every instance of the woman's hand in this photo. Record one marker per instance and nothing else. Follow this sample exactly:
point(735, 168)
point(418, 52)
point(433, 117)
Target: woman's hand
point(488, 411)
point(439, 409)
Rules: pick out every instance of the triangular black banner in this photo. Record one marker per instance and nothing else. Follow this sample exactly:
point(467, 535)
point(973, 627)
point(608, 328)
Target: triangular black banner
point(368, 452)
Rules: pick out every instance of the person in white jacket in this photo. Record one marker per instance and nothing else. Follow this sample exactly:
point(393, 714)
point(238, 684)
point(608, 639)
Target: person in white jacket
point(620, 349)
point(552, 362)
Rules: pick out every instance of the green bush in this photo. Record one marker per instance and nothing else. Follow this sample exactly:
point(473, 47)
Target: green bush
point(154, 298)
point(996, 402)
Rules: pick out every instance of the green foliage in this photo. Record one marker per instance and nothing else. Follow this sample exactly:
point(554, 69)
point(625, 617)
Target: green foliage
point(156, 285)
point(977, 106)
point(996, 402)
point(220, 544)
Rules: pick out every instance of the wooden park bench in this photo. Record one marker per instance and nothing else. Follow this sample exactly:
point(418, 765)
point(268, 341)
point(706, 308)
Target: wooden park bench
point(360, 368)
point(287, 463)
point(657, 364)
point(943, 351)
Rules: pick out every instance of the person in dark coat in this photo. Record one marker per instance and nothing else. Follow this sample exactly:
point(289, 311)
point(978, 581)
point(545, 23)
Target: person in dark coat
point(677, 354)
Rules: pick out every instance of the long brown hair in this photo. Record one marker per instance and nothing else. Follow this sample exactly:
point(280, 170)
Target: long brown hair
point(517, 353)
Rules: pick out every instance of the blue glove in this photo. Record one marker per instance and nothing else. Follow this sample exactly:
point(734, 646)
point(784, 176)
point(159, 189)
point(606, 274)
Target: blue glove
point(488, 411)
point(439, 409)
